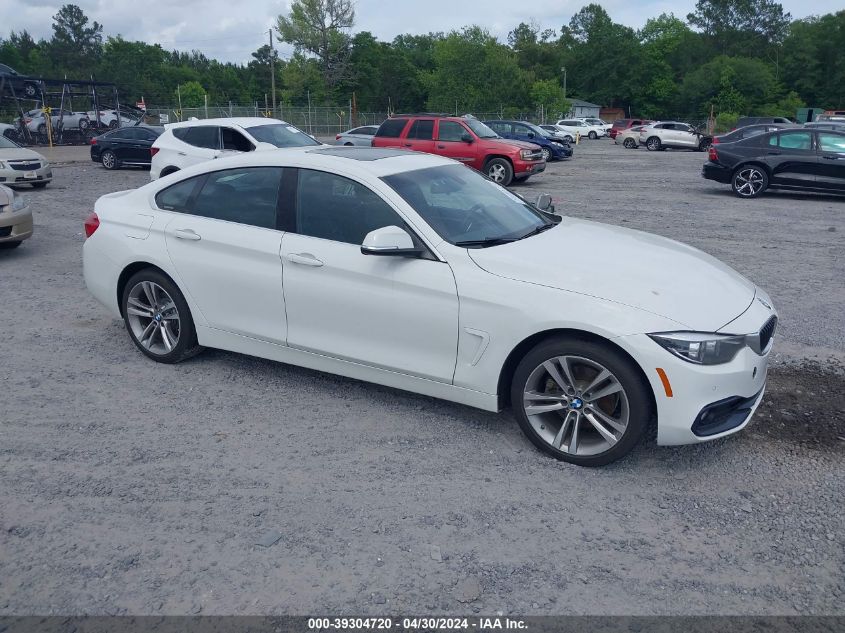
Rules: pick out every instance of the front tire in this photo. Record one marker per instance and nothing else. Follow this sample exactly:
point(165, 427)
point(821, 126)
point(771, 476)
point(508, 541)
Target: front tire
point(580, 402)
point(157, 317)
point(749, 181)
point(653, 144)
point(499, 171)
point(109, 160)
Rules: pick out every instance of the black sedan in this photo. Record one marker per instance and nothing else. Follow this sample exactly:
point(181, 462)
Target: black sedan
point(796, 159)
point(125, 146)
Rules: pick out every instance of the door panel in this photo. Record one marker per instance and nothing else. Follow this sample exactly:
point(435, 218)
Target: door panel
point(233, 273)
point(449, 142)
point(420, 136)
point(391, 312)
point(830, 171)
point(792, 159)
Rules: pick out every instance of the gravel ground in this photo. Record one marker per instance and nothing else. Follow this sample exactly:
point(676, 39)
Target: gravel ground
point(232, 485)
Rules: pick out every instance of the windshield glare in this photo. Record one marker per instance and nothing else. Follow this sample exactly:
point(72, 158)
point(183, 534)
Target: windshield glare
point(481, 130)
point(462, 205)
point(281, 135)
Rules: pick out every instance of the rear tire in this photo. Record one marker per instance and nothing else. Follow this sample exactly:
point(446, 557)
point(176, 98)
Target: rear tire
point(629, 143)
point(157, 317)
point(109, 160)
point(564, 419)
point(749, 181)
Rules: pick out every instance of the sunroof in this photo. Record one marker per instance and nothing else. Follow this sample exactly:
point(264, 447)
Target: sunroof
point(361, 153)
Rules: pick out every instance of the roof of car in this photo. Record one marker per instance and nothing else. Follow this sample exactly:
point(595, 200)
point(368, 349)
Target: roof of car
point(242, 121)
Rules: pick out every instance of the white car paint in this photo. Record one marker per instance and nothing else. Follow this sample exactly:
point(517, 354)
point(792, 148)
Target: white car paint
point(581, 127)
point(443, 327)
point(172, 154)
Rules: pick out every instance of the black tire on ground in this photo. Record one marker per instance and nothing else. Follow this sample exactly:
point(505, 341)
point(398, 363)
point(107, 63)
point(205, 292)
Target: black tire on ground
point(653, 144)
point(547, 154)
point(187, 345)
point(109, 160)
point(630, 143)
point(7, 246)
point(593, 135)
point(499, 170)
point(749, 181)
point(639, 396)
point(38, 185)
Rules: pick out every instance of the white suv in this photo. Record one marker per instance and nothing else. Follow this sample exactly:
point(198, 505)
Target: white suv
point(601, 127)
point(577, 127)
point(674, 134)
point(196, 141)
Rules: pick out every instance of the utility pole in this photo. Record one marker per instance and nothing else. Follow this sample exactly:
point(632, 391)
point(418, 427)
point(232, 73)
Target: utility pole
point(563, 70)
point(272, 70)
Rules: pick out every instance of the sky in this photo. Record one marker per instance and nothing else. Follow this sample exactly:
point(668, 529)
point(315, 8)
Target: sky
point(230, 30)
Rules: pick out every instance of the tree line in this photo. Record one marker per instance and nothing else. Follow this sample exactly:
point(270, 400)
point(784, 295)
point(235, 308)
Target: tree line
point(735, 57)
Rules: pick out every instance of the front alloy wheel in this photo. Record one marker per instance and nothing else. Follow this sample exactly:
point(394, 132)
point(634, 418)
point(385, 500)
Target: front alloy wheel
point(158, 318)
point(653, 144)
point(749, 181)
point(500, 171)
point(580, 402)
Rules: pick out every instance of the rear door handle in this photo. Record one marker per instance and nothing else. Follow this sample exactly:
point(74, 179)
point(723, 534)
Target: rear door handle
point(306, 259)
point(441, 147)
point(833, 157)
point(186, 234)
point(407, 145)
point(773, 153)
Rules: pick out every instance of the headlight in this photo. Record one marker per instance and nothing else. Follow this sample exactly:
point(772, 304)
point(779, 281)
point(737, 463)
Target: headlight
point(701, 348)
point(18, 202)
point(2, 165)
point(527, 154)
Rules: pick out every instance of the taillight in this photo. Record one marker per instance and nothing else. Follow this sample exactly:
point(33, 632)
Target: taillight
point(153, 151)
point(94, 141)
point(715, 141)
point(712, 155)
point(92, 223)
point(337, 137)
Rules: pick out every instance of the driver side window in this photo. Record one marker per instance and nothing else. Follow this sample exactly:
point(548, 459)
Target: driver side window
point(335, 208)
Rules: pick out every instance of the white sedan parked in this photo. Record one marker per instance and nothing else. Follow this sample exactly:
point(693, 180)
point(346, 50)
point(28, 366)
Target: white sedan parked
point(414, 271)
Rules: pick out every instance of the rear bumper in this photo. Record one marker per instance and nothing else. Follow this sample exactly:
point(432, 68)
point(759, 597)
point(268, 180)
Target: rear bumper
point(714, 171)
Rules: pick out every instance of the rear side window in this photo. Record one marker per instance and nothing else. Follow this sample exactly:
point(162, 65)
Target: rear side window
point(392, 128)
point(832, 143)
point(176, 197)
point(422, 129)
point(792, 140)
point(207, 136)
point(245, 196)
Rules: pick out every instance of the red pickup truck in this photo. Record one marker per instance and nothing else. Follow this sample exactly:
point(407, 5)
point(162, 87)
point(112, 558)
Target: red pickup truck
point(465, 139)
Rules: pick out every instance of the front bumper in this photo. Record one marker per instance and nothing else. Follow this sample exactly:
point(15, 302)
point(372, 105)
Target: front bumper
point(9, 176)
point(523, 167)
point(15, 227)
point(560, 150)
point(714, 171)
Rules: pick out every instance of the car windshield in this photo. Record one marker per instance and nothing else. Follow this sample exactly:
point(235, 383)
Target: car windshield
point(6, 143)
point(467, 209)
point(537, 129)
point(281, 135)
point(481, 130)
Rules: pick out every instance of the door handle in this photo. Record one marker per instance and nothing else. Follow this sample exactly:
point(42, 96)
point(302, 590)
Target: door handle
point(181, 153)
point(441, 147)
point(773, 153)
point(407, 145)
point(832, 157)
point(186, 234)
point(306, 259)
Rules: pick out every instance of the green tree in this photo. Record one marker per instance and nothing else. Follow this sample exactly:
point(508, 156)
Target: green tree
point(548, 94)
point(320, 28)
point(741, 26)
point(75, 46)
point(191, 93)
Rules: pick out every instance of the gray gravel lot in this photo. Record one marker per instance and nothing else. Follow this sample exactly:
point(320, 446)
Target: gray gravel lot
point(132, 487)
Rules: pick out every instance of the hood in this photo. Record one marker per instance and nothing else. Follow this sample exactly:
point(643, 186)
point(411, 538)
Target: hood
point(637, 269)
point(511, 142)
point(20, 153)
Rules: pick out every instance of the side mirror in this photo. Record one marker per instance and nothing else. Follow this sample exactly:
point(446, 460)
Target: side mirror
point(467, 138)
point(544, 203)
point(390, 241)
point(530, 135)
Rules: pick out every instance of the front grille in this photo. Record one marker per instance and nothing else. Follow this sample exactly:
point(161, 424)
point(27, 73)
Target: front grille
point(25, 166)
point(767, 332)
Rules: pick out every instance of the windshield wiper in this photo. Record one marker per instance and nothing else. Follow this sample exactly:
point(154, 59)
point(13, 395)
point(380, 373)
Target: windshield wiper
point(539, 229)
point(487, 241)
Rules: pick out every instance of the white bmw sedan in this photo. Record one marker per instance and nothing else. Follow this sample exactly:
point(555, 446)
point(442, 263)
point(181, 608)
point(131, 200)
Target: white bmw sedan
point(414, 271)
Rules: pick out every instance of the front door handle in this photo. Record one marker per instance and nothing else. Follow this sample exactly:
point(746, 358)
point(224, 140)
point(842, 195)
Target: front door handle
point(306, 259)
point(186, 234)
point(773, 153)
point(832, 157)
point(441, 147)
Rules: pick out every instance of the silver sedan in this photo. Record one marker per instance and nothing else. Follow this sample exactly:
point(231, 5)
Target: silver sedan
point(357, 136)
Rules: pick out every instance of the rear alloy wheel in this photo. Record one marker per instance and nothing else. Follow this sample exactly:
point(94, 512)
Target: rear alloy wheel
point(547, 154)
point(108, 159)
point(749, 181)
point(653, 144)
point(579, 401)
point(629, 143)
point(593, 135)
point(499, 171)
point(158, 318)
point(30, 90)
